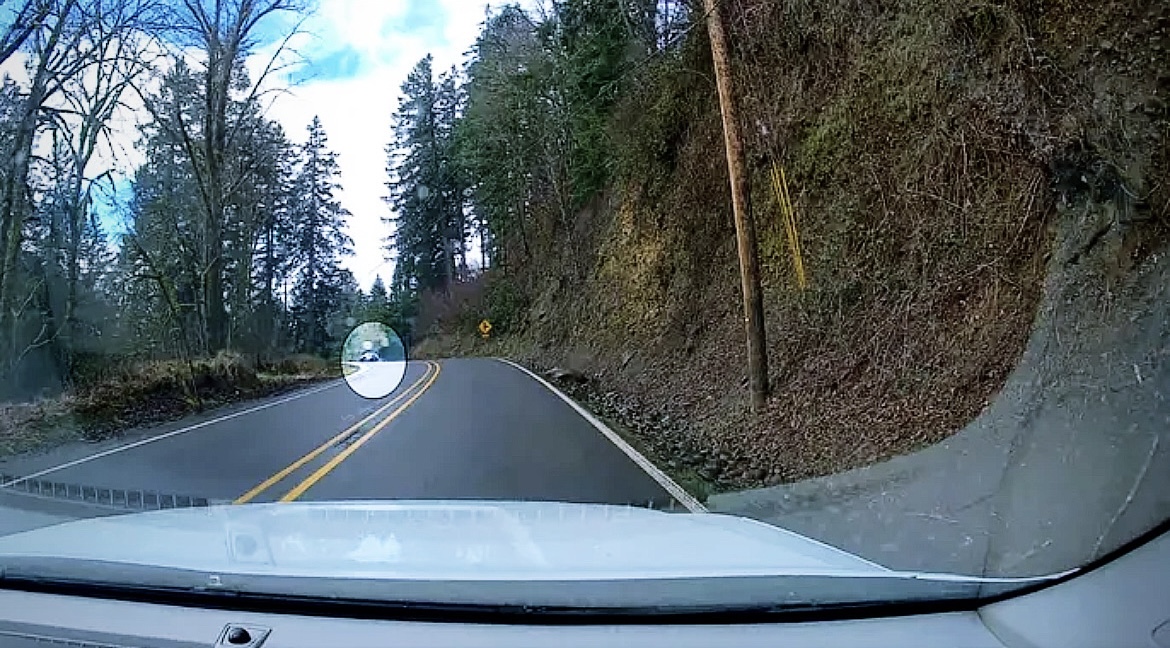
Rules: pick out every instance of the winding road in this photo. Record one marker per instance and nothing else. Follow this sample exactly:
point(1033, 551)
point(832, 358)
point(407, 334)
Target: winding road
point(453, 429)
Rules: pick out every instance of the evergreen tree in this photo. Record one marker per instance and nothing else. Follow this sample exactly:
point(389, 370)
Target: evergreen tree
point(376, 306)
point(500, 135)
point(319, 241)
point(413, 165)
point(428, 189)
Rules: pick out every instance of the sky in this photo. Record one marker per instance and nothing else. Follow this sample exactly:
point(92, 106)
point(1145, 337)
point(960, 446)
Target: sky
point(349, 59)
point(356, 55)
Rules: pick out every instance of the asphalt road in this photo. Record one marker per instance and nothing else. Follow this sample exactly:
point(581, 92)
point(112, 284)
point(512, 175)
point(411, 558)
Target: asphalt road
point(375, 379)
point(455, 429)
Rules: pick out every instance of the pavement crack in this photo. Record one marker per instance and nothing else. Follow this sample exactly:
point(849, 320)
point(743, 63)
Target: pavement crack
point(1125, 504)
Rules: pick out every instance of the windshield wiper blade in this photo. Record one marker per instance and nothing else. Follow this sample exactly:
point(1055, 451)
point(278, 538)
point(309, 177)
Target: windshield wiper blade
point(683, 600)
point(234, 599)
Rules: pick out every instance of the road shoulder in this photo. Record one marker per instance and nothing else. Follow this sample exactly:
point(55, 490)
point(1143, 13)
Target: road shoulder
point(658, 475)
point(34, 463)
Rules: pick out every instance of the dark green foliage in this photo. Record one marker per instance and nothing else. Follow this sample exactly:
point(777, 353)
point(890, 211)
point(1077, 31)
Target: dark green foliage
point(318, 242)
point(531, 142)
point(426, 185)
point(506, 305)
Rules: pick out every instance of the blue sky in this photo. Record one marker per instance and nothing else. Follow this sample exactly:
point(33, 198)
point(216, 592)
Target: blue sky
point(329, 56)
point(357, 53)
point(344, 63)
point(351, 57)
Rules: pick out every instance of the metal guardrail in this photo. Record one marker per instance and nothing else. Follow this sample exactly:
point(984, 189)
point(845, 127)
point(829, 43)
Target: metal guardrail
point(125, 499)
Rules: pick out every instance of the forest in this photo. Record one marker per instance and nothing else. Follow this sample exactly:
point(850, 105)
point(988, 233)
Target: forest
point(909, 164)
point(228, 237)
point(493, 160)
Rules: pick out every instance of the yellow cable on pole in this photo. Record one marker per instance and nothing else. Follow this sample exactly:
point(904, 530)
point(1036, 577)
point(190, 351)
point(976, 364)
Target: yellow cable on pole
point(788, 215)
point(798, 251)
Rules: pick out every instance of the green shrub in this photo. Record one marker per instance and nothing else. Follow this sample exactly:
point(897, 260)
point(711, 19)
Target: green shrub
point(506, 304)
point(302, 364)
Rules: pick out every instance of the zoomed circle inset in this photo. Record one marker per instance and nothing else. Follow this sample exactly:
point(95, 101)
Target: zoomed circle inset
point(373, 360)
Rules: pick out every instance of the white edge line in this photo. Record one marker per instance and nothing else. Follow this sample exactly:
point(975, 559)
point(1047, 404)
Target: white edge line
point(173, 433)
point(664, 480)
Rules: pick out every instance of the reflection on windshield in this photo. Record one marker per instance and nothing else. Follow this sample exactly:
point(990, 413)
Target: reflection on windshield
point(890, 302)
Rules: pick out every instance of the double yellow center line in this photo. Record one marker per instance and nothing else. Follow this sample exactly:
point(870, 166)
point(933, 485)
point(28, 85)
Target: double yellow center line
point(410, 394)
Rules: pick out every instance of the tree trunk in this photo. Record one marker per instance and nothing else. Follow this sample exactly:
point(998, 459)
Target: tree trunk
point(12, 214)
point(75, 230)
point(484, 244)
point(72, 277)
point(213, 288)
point(220, 60)
point(753, 304)
point(267, 332)
point(448, 263)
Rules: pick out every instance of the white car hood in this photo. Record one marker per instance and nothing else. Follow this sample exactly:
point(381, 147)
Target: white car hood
point(452, 540)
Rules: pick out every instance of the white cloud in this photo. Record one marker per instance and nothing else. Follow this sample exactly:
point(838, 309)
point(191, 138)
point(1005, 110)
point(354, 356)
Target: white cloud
point(356, 111)
point(116, 156)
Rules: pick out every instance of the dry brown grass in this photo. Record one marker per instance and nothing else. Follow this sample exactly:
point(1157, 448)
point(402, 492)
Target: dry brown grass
point(30, 426)
point(301, 365)
point(148, 392)
point(466, 345)
point(460, 308)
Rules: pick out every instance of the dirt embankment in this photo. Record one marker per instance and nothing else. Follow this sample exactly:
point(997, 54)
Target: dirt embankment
point(928, 146)
point(1070, 462)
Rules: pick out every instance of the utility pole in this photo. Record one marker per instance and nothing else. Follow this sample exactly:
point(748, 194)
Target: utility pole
point(745, 233)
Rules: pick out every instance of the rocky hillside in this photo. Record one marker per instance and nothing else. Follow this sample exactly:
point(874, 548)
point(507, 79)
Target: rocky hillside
point(928, 146)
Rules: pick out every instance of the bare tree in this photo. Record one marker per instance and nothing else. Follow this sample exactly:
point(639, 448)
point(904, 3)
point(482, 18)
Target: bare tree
point(80, 123)
point(71, 44)
point(56, 43)
point(224, 31)
point(27, 20)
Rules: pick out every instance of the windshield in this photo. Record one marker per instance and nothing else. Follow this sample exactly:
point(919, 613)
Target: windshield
point(703, 304)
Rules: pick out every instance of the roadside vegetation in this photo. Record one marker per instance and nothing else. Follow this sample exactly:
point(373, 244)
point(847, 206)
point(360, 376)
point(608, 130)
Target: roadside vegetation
point(146, 393)
point(909, 162)
point(929, 150)
point(212, 272)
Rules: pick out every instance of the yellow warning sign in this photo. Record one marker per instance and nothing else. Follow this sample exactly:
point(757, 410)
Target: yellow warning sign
point(485, 328)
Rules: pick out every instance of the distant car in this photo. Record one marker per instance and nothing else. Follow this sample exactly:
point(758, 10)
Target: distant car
point(369, 356)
